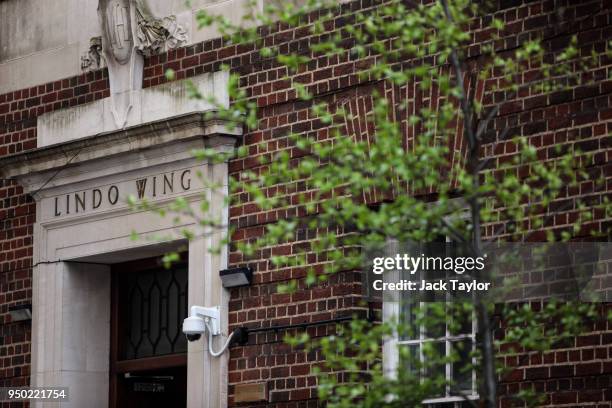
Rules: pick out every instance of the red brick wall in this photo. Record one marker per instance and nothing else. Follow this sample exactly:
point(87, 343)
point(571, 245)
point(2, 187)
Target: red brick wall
point(16, 218)
point(575, 373)
point(580, 118)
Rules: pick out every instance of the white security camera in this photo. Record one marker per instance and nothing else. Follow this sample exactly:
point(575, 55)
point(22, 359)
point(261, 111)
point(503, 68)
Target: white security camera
point(193, 327)
point(202, 319)
point(199, 319)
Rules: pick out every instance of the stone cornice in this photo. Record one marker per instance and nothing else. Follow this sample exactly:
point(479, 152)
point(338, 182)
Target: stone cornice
point(215, 133)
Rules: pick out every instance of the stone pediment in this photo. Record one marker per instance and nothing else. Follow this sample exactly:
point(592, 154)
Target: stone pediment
point(128, 149)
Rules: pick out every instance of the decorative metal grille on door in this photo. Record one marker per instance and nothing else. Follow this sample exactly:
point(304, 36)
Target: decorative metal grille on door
point(153, 306)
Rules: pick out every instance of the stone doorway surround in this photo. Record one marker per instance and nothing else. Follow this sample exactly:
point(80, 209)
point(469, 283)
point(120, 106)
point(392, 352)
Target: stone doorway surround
point(74, 246)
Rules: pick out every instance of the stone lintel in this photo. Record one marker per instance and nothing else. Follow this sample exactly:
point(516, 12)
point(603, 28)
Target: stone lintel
point(214, 133)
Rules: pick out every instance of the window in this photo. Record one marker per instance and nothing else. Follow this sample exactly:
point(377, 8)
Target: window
point(153, 304)
point(448, 342)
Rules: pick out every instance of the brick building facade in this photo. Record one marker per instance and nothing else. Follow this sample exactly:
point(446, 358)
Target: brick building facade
point(577, 375)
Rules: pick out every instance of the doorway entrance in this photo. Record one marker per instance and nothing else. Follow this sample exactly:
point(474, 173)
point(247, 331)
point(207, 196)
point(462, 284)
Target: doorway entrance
point(148, 359)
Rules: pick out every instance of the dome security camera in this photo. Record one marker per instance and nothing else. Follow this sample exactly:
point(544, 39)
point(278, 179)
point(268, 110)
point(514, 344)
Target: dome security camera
point(200, 317)
point(193, 327)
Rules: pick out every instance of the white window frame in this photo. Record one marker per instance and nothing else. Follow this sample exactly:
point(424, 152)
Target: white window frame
point(392, 310)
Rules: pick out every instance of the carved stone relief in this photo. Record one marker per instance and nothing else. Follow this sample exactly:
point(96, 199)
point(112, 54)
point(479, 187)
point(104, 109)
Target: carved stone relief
point(129, 31)
point(131, 22)
point(90, 60)
point(155, 35)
